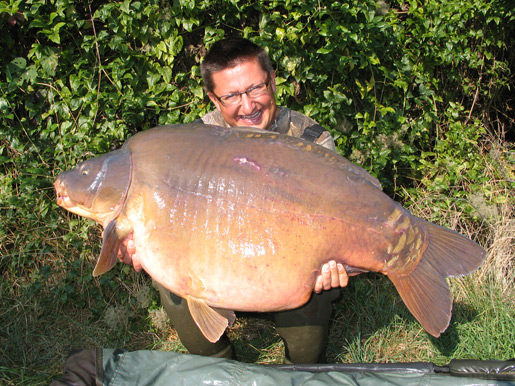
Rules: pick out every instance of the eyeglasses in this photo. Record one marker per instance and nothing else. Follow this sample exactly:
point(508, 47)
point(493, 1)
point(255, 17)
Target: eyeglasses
point(252, 92)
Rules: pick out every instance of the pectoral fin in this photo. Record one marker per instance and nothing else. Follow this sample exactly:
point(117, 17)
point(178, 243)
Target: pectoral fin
point(211, 322)
point(108, 254)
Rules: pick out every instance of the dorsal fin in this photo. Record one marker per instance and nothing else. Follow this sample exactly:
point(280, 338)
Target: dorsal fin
point(212, 323)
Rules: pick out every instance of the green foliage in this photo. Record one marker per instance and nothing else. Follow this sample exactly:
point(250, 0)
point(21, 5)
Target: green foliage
point(419, 93)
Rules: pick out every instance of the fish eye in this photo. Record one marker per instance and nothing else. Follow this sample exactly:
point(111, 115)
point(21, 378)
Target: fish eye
point(83, 170)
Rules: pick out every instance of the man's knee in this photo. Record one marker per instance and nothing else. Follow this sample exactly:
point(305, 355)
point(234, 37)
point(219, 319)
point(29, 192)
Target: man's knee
point(189, 333)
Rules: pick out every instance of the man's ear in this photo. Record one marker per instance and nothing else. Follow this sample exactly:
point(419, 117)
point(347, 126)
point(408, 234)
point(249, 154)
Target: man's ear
point(272, 81)
point(215, 101)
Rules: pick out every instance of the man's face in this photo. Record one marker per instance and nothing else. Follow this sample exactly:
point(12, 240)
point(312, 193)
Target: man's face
point(256, 112)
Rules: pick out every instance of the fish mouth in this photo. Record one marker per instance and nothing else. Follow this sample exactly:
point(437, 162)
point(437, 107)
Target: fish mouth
point(77, 207)
point(63, 199)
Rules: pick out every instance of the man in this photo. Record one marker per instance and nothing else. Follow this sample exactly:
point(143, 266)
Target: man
point(240, 81)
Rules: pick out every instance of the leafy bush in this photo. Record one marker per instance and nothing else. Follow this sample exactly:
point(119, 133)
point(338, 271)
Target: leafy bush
point(419, 93)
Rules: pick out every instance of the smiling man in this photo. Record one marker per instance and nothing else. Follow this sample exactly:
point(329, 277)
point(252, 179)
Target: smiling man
point(255, 106)
point(240, 81)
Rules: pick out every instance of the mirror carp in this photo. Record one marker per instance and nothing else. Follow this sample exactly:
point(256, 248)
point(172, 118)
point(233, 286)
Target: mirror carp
point(240, 219)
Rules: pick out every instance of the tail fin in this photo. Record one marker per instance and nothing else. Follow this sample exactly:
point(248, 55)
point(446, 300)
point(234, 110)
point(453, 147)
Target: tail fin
point(424, 290)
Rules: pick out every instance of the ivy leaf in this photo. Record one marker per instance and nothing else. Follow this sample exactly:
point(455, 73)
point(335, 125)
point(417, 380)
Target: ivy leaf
point(54, 35)
point(49, 63)
point(30, 75)
point(19, 63)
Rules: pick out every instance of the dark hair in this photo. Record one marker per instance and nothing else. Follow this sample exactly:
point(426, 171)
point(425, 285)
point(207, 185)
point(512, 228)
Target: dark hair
point(228, 53)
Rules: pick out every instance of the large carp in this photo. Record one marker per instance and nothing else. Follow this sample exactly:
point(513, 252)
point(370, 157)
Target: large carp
point(240, 219)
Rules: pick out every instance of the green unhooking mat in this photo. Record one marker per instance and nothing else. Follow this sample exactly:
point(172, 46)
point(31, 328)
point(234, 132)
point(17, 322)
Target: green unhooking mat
point(104, 367)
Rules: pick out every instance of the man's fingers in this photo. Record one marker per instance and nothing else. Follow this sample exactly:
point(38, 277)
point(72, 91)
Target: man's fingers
point(343, 278)
point(332, 275)
point(122, 252)
point(335, 277)
point(318, 284)
point(326, 277)
point(131, 247)
point(127, 250)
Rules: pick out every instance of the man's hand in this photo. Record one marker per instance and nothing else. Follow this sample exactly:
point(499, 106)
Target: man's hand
point(127, 253)
point(332, 276)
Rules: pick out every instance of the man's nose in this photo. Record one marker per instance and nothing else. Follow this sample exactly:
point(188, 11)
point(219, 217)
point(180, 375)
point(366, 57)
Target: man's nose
point(247, 104)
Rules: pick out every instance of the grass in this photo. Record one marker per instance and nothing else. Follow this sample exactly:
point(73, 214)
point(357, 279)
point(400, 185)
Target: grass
point(51, 304)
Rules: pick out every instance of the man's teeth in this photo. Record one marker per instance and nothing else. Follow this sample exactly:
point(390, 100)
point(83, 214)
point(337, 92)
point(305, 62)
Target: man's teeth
point(253, 116)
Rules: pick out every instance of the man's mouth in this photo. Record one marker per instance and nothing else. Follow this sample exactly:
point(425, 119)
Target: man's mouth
point(252, 118)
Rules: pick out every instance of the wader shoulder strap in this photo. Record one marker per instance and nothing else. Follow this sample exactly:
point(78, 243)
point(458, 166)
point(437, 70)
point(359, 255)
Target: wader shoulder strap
point(311, 133)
